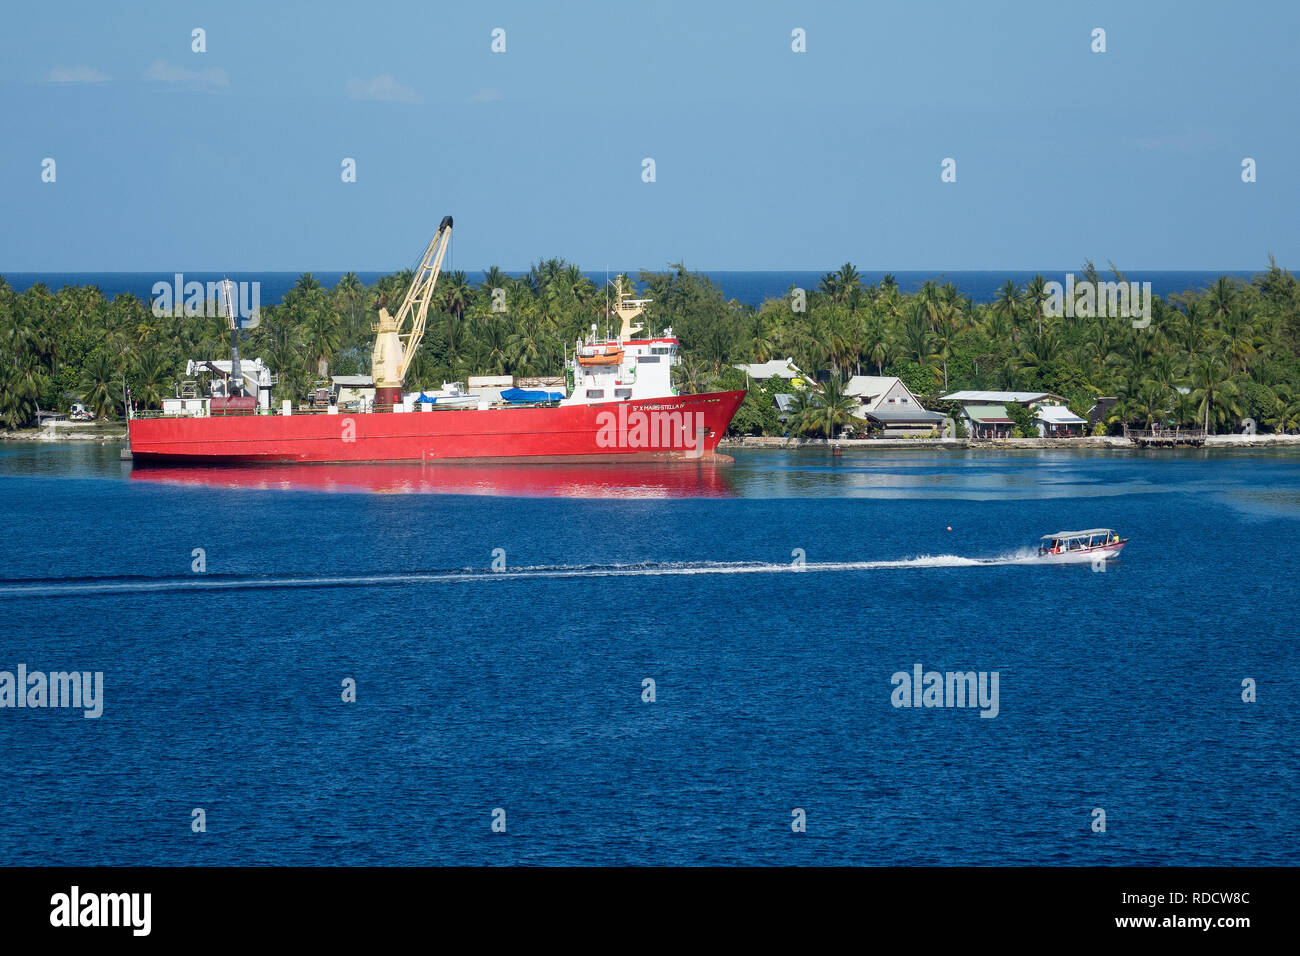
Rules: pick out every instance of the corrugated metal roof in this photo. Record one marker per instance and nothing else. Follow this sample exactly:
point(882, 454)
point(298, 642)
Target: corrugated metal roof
point(782, 368)
point(893, 417)
point(870, 385)
point(1018, 398)
point(1058, 415)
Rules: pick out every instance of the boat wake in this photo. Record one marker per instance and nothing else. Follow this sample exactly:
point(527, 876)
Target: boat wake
point(126, 585)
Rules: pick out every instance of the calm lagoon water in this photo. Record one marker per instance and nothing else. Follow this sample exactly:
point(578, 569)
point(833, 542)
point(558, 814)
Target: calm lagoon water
point(522, 689)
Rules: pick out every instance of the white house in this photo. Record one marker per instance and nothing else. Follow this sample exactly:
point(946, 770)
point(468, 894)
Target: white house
point(1057, 421)
point(886, 401)
point(985, 414)
point(880, 393)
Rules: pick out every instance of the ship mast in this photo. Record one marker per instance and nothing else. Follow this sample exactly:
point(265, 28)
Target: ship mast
point(395, 343)
point(627, 310)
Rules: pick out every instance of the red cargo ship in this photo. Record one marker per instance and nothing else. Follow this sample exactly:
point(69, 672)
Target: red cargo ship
point(677, 427)
point(621, 406)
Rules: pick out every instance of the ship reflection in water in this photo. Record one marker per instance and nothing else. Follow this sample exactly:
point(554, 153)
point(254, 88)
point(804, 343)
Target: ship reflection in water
point(702, 479)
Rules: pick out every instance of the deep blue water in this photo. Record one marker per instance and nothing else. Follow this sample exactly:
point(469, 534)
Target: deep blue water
point(750, 288)
point(522, 689)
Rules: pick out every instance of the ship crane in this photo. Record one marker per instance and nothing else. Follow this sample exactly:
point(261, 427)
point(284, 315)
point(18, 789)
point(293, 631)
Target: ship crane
point(235, 383)
point(398, 337)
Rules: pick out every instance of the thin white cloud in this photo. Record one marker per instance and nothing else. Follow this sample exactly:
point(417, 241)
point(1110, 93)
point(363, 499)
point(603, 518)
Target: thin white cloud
point(486, 96)
point(164, 72)
point(384, 88)
point(76, 74)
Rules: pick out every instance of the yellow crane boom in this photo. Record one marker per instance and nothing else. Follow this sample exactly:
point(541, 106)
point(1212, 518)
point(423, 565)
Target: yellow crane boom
point(395, 342)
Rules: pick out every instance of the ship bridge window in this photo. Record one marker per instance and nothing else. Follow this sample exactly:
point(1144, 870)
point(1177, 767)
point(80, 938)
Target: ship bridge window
point(595, 393)
point(661, 350)
point(622, 393)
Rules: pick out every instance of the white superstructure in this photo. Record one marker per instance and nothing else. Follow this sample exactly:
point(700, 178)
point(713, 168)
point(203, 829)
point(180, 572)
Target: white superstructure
point(625, 367)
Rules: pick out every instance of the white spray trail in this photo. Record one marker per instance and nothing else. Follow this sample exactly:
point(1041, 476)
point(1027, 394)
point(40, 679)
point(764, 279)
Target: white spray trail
point(57, 588)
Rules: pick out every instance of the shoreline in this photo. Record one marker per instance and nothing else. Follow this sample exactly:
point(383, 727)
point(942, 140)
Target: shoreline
point(67, 435)
point(80, 436)
point(964, 444)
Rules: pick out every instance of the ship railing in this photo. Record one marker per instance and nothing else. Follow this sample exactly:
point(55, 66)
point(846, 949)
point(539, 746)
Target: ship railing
point(240, 413)
point(269, 412)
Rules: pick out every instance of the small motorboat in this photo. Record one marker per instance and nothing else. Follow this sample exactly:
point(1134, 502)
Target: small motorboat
point(451, 395)
point(1067, 547)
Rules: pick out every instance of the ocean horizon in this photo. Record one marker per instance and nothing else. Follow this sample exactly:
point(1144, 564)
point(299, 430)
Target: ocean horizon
point(746, 287)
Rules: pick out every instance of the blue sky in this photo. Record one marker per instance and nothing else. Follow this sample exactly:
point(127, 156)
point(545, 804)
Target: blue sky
point(172, 160)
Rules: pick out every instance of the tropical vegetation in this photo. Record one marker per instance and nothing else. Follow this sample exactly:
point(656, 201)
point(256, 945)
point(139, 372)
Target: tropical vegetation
point(1212, 356)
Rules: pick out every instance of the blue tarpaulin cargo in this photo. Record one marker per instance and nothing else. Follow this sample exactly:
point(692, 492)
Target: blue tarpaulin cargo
point(530, 395)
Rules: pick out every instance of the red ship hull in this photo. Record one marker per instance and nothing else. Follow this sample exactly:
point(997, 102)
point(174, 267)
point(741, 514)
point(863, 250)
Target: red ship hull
point(686, 427)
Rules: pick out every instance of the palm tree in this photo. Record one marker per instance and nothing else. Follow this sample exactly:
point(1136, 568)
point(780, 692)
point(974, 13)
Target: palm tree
point(26, 379)
point(1036, 295)
point(918, 340)
point(493, 278)
point(689, 375)
point(457, 293)
point(493, 343)
point(1213, 389)
point(833, 285)
point(1040, 349)
point(577, 287)
point(839, 285)
point(151, 371)
point(1219, 298)
point(949, 319)
point(459, 343)
point(1190, 331)
point(351, 296)
point(760, 340)
point(826, 412)
point(526, 345)
point(876, 340)
point(323, 336)
point(304, 284)
point(1007, 305)
point(99, 384)
point(1238, 336)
